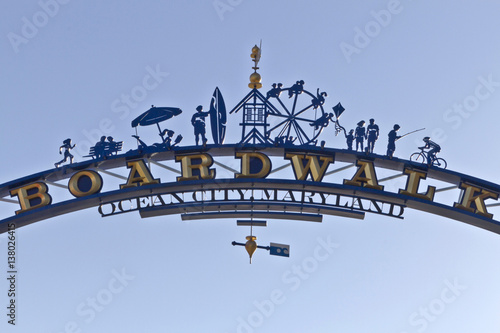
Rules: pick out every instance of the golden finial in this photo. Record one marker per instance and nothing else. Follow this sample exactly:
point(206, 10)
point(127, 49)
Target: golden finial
point(255, 77)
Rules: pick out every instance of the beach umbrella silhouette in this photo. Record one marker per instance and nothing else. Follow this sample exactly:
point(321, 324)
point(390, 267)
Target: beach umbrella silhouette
point(155, 115)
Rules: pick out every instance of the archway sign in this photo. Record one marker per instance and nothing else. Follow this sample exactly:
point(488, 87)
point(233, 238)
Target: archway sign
point(279, 169)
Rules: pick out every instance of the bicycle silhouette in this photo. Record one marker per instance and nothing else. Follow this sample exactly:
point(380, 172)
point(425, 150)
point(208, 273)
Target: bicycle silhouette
point(421, 157)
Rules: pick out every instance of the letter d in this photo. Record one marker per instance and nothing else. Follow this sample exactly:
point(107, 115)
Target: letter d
point(28, 30)
point(243, 325)
point(361, 40)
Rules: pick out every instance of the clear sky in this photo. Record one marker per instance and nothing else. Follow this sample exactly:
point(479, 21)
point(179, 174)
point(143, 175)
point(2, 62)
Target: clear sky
point(76, 69)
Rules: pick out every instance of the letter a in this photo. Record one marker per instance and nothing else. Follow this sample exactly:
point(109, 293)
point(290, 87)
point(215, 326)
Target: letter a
point(139, 175)
point(365, 176)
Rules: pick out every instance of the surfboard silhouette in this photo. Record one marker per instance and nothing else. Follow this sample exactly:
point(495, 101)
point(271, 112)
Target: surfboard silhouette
point(218, 117)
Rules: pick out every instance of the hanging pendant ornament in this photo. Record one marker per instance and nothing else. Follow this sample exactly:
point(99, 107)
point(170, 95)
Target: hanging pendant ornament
point(251, 246)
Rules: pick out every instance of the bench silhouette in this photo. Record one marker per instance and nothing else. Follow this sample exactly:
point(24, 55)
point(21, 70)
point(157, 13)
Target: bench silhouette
point(108, 150)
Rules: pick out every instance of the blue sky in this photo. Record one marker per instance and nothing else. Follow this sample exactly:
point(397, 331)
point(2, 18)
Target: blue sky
point(80, 69)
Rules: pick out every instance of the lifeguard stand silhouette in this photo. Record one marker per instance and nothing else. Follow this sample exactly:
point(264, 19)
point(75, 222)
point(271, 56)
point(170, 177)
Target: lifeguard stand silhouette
point(256, 108)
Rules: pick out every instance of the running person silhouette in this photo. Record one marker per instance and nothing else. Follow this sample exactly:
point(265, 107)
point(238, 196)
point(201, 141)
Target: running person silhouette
point(67, 147)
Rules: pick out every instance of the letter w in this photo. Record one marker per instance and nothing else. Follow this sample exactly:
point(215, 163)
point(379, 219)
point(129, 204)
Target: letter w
point(303, 165)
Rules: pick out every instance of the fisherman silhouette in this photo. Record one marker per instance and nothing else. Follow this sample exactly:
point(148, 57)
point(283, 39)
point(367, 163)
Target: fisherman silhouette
point(67, 147)
point(349, 139)
point(393, 137)
point(360, 135)
point(297, 88)
point(433, 147)
point(198, 121)
point(372, 134)
point(319, 99)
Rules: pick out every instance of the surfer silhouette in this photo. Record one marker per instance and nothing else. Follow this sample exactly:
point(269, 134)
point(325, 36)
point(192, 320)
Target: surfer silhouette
point(198, 121)
point(67, 148)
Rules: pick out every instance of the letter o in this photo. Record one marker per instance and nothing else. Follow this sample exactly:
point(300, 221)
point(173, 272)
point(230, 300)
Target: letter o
point(310, 264)
point(255, 319)
point(84, 183)
point(437, 306)
point(471, 103)
point(104, 297)
point(40, 19)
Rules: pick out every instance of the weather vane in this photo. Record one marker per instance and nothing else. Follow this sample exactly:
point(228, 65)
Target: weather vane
point(255, 77)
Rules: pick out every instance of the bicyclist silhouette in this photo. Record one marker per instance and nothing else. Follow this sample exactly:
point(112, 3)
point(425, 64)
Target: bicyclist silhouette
point(433, 147)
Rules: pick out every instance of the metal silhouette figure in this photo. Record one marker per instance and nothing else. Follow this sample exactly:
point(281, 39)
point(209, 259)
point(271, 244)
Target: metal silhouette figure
point(319, 100)
point(433, 147)
point(67, 155)
point(393, 137)
point(275, 91)
point(166, 143)
point(112, 146)
point(372, 134)
point(322, 121)
point(142, 145)
point(198, 122)
point(349, 139)
point(360, 135)
point(296, 89)
point(100, 147)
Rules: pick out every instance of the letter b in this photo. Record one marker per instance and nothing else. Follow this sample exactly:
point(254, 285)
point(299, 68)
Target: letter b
point(266, 307)
point(51, 7)
point(383, 17)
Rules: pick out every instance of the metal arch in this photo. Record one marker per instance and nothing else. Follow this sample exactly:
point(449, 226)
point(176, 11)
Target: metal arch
point(119, 161)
